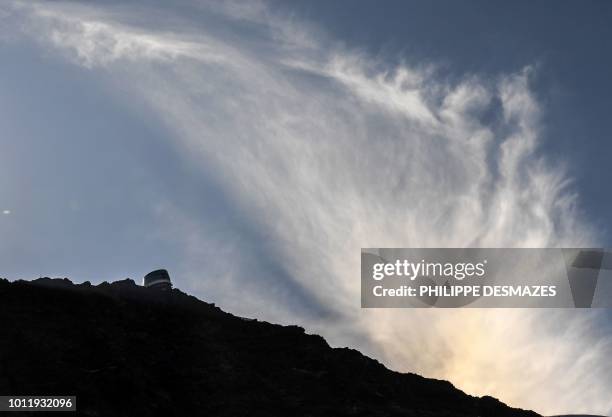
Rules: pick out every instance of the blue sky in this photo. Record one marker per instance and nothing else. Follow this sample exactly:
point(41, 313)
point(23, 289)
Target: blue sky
point(567, 41)
point(253, 148)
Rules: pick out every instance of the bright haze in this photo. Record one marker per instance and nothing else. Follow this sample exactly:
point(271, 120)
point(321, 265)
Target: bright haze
point(253, 148)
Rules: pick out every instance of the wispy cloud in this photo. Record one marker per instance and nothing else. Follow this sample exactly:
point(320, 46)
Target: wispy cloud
point(320, 150)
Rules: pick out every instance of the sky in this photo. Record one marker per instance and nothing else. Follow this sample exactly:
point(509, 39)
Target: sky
point(253, 148)
point(566, 41)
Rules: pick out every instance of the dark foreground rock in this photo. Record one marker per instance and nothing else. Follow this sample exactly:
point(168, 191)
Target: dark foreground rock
point(124, 350)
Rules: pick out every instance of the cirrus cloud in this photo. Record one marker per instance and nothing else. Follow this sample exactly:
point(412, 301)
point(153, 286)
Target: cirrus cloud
point(320, 150)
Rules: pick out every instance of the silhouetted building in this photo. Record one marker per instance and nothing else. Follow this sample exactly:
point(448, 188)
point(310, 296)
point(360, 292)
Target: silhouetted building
point(159, 279)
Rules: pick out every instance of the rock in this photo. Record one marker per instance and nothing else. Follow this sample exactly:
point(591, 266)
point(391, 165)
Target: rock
point(124, 350)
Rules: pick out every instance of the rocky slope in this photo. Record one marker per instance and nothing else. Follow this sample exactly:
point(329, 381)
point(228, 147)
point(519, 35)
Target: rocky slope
point(125, 350)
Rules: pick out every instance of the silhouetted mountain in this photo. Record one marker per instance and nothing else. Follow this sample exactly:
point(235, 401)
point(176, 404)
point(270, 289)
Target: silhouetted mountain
point(125, 350)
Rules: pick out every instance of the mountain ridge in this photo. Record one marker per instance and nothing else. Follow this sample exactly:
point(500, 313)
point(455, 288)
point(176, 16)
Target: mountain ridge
point(123, 350)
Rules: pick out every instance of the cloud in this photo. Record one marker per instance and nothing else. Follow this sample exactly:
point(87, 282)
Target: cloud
point(320, 150)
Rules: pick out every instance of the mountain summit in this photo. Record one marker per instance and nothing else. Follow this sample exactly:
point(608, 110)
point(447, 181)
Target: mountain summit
point(127, 350)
